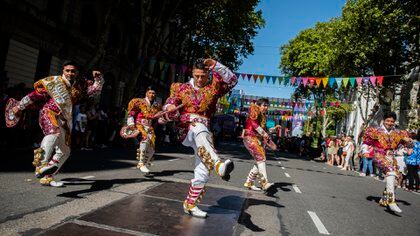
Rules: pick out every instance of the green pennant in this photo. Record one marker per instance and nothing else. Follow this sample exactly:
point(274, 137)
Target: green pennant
point(286, 80)
point(345, 82)
point(280, 79)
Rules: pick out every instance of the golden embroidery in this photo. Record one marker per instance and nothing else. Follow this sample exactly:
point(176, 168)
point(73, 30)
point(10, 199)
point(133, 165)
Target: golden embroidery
point(205, 157)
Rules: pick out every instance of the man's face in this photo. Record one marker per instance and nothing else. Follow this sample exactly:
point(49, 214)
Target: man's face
point(70, 72)
point(201, 77)
point(389, 123)
point(151, 94)
point(264, 108)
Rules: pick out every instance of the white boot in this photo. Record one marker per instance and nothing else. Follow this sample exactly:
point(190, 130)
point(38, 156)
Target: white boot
point(143, 168)
point(263, 178)
point(46, 170)
point(223, 169)
point(251, 186)
point(390, 189)
point(49, 181)
point(194, 211)
point(251, 179)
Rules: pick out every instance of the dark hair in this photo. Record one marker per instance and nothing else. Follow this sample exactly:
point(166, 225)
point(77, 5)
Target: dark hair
point(70, 63)
point(390, 114)
point(199, 64)
point(261, 101)
point(151, 87)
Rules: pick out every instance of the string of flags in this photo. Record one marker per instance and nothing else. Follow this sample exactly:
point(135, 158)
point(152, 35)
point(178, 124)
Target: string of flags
point(312, 81)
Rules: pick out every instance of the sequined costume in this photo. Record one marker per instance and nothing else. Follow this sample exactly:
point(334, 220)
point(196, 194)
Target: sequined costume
point(384, 143)
point(55, 119)
point(253, 141)
point(199, 106)
point(140, 114)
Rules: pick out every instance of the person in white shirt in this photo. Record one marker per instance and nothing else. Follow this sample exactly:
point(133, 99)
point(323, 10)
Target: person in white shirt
point(348, 151)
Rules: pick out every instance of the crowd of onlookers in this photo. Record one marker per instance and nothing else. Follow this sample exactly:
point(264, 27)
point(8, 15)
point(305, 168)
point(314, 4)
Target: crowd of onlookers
point(343, 152)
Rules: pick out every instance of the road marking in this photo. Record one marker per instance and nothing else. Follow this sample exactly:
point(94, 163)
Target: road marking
point(295, 187)
point(321, 228)
point(88, 177)
point(280, 162)
point(282, 168)
point(108, 227)
point(287, 175)
point(172, 160)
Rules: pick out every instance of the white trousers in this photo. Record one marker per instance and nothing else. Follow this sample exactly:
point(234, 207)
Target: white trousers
point(197, 136)
point(55, 144)
point(147, 147)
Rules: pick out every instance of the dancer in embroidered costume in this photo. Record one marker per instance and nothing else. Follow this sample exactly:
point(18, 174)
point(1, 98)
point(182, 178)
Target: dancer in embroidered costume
point(141, 112)
point(254, 139)
point(58, 95)
point(199, 97)
point(385, 140)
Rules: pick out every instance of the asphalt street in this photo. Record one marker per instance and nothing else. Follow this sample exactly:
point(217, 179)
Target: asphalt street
point(309, 197)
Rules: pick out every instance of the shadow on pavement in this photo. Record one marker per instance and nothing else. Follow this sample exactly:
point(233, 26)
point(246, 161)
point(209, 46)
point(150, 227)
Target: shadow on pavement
point(245, 218)
point(98, 185)
point(275, 188)
point(169, 173)
point(376, 199)
point(79, 161)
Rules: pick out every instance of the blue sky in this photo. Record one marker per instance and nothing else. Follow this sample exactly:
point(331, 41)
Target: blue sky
point(283, 21)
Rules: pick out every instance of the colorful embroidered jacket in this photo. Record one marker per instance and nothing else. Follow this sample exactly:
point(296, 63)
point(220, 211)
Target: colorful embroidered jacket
point(255, 123)
point(58, 97)
point(383, 141)
point(140, 113)
point(200, 103)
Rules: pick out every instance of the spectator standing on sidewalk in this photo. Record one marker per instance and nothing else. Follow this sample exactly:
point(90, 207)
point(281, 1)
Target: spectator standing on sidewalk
point(413, 162)
point(367, 159)
point(80, 127)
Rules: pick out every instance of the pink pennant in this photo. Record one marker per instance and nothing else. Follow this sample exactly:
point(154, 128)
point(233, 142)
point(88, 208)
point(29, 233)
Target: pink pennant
point(293, 79)
point(373, 80)
point(184, 68)
point(359, 80)
point(305, 81)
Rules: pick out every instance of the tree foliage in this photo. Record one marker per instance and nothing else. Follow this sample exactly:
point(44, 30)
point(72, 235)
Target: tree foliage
point(370, 37)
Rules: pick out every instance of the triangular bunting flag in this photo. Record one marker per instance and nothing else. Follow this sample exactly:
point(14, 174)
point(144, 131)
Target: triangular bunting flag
point(184, 68)
point(325, 82)
point(274, 78)
point(318, 81)
point(267, 78)
point(173, 67)
point(255, 77)
point(331, 82)
point(161, 65)
point(292, 81)
point(311, 81)
point(359, 80)
point(339, 81)
point(152, 65)
point(298, 81)
point(352, 81)
point(243, 76)
point(286, 80)
point(366, 81)
point(280, 79)
point(345, 82)
point(373, 80)
point(237, 75)
point(380, 80)
point(305, 81)
point(249, 76)
point(261, 77)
